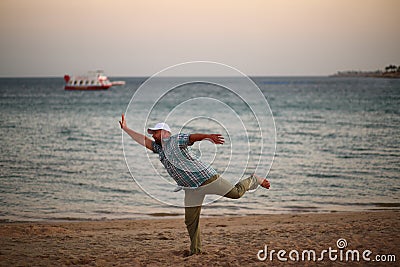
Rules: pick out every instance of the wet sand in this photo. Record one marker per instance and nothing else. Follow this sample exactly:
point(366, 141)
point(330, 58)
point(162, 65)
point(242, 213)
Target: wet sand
point(227, 241)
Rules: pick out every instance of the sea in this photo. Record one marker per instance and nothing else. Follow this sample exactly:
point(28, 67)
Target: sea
point(331, 144)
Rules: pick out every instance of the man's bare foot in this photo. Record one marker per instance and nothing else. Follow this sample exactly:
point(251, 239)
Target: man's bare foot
point(262, 181)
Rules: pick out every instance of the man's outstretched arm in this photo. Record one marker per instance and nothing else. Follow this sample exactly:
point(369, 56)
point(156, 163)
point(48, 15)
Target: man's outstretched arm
point(139, 138)
point(214, 138)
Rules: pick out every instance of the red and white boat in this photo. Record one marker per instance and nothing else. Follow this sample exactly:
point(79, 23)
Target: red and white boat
point(94, 80)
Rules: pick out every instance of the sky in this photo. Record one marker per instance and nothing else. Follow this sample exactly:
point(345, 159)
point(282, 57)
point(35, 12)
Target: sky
point(142, 37)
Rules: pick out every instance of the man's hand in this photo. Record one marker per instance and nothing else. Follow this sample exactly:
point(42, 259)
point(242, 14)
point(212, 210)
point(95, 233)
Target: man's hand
point(139, 138)
point(216, 139)
point(122, 122)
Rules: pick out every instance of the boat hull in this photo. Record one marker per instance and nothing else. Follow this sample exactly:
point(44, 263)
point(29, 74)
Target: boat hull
point(87, 88)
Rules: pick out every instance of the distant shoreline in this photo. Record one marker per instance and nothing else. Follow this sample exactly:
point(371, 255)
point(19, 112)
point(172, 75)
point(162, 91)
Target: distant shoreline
point(392, 75)
point(391, 71)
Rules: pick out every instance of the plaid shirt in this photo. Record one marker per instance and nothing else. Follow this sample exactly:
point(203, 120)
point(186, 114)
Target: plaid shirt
point(184, 168)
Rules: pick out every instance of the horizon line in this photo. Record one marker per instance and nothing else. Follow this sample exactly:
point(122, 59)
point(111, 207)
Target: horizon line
point(148, 76)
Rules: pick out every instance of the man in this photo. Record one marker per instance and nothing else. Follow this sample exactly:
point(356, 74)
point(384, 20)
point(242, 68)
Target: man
point(194, 176)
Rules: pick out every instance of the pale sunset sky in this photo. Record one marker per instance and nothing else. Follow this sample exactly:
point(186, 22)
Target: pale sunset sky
point(142, 37)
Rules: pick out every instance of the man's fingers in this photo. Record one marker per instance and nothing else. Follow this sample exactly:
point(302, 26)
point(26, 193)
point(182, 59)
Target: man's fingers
point(122, 121)
point(219, 139)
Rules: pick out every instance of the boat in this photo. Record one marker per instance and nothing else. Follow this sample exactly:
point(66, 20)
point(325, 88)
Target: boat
point(93, 80)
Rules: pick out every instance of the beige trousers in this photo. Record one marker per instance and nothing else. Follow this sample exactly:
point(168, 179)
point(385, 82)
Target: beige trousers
point(194, 200)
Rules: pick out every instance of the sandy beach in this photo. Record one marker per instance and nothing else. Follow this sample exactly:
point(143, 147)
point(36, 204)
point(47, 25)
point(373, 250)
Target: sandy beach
point(227, 241)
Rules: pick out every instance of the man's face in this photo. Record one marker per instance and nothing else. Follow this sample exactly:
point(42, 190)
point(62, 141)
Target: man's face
point(160, 134)
point(157, 136)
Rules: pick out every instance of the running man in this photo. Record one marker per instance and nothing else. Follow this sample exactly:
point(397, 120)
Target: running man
point(195, 177)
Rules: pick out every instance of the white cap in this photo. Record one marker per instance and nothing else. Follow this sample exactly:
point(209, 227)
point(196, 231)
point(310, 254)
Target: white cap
point(159, 126)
